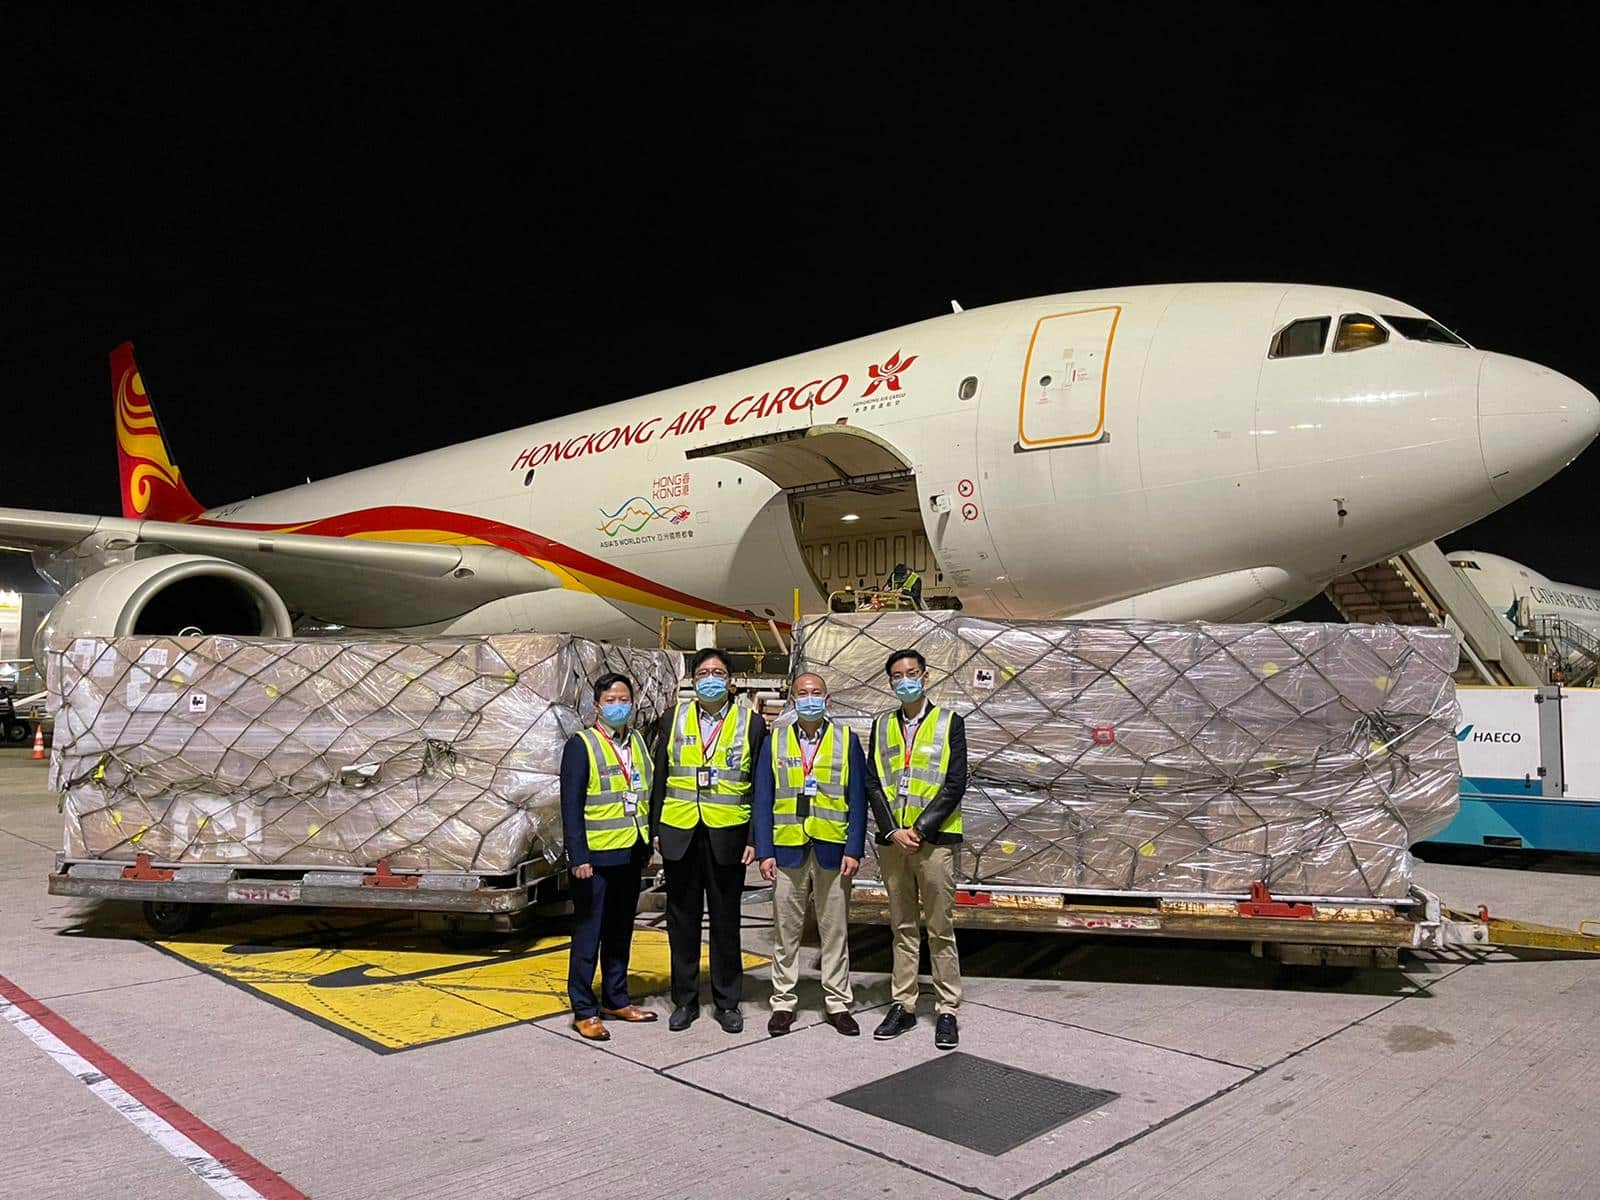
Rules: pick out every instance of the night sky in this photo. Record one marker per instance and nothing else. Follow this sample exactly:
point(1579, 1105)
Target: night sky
point(338, 240)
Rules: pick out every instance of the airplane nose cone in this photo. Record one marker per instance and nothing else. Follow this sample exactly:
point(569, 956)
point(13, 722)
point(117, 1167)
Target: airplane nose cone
point(1532, 421)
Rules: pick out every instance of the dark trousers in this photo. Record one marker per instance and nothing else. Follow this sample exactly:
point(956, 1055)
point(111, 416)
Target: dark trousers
point(697, 883)
point(604, 906)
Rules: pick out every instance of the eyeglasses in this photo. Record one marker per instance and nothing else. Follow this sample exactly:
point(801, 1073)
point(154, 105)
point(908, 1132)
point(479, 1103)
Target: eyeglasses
point(710, 673)
point(913, 673)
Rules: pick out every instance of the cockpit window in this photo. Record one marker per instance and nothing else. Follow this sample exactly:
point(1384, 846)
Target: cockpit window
point(1301, 338)
point(1465, 564)
point(1359, 332)
point(1421, 329)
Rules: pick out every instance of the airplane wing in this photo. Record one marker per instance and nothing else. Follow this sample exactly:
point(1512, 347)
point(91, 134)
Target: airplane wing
point(352, 581)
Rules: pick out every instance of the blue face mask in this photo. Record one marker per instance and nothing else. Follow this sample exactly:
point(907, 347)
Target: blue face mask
point(908, 689)
point(811, 707)
point(711, 688)
point(616, 715)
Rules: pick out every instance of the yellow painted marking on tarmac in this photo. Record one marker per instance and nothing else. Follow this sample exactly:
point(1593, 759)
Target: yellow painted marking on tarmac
point(396, 989)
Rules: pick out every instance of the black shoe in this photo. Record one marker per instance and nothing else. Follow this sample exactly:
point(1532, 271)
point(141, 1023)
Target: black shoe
point(731, 1020)
point(895, 1022)
point(844, 1023)
point(682, 1017)
point(780, 1023)
point(944, 1032)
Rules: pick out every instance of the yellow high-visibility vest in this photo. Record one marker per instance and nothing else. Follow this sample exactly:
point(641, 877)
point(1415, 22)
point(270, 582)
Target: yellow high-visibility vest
point(607, 824)
point(829, 817)
point(726, 803)
point(925, 774)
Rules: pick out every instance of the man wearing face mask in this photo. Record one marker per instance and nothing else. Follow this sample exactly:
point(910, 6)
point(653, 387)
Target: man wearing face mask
point(700, 818)
point(605, 789)
point(916, 777)
point(811, 830)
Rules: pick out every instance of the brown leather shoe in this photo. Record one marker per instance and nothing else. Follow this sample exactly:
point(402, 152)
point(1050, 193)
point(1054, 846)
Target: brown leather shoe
point(592, 1029)
point(780, 1023)
point(844, 1023)
point(633, 1014)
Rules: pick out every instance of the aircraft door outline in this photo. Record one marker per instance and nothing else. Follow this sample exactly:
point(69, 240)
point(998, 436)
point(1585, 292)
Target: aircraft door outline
point(1062, 398)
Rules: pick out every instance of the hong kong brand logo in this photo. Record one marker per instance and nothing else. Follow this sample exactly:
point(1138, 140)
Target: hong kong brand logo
point(888, 374)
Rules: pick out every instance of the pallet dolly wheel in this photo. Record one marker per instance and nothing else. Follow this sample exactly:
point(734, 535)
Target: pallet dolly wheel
point(169, 917)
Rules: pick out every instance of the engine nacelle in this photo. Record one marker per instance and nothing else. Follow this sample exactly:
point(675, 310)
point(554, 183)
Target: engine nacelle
point(166, 594)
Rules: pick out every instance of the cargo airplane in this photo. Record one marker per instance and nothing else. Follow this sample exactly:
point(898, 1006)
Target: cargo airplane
point(1566, 615)
point(1189, 451)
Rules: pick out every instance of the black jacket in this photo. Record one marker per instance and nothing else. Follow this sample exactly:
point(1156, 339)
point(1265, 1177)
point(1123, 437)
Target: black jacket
point(948, 800)
point(727, 845)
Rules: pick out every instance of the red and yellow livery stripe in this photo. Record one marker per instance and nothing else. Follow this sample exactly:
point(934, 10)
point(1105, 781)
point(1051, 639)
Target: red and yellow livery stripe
point(576, 570)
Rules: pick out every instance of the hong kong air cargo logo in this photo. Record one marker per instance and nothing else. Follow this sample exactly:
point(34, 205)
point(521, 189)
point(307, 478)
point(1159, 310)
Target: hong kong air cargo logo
point(659, 517)
point(887, 373)
point(1462, 734)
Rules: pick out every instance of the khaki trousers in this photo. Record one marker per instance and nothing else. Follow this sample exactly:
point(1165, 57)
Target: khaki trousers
point(794, 891)
point(922, 890)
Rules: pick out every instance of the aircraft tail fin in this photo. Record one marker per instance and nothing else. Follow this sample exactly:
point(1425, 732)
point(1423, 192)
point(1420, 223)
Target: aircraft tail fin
point(152, 486)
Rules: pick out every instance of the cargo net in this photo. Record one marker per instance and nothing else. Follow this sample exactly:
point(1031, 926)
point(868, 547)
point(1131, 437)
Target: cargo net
point(441, 755)
point(1198, 758)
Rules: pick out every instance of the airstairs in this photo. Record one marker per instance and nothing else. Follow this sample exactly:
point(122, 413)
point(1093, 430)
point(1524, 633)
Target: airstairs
point(1420, 587)
point(1573, 648)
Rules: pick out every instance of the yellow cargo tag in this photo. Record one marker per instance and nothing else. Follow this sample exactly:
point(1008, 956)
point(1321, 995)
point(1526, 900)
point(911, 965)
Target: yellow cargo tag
point(201, 824)
point(1148, 849)
point(1270, 762)
point(1380, 749)
point(313, 831)
point(177, 678)
point(510, 677)
point(410, 678)
point(1269, 669)
point(1161, 781)
point(1381, 683)
point(116, 817)
point(135, 838)
point(1008, 847)
point(272, 691)
point(100, 773)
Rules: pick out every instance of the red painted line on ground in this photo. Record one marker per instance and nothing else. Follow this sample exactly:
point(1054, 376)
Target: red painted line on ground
point(251, 1170)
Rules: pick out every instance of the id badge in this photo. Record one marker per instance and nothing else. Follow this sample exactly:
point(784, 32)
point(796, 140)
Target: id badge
point(810, 788)
point(630, 803)
point(705, 777)
point(905, 783)
point(636, 779)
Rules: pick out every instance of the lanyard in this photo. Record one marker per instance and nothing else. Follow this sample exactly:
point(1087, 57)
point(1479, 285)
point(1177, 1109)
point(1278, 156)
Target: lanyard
point(911, 741)
point(625, 760)
point(708, 746)
point(805, 760)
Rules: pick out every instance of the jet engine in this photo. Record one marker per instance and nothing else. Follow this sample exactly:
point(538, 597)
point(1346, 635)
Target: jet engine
point(165, 594)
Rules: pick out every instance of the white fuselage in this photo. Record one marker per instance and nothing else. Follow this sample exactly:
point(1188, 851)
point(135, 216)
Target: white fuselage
point(1524, 597)
point(1123, 452)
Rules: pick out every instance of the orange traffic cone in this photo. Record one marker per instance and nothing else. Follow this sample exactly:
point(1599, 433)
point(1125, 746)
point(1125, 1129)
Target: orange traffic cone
point(38, 741)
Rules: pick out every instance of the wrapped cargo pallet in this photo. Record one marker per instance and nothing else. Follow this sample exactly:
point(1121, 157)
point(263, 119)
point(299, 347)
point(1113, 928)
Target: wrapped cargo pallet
point(1158, 758)
point(438, 754)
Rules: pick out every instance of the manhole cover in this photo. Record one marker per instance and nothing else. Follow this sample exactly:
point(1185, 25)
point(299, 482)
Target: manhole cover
point(985, 1106)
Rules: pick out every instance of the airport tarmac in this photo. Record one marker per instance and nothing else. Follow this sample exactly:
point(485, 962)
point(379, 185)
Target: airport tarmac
point(283, 1053)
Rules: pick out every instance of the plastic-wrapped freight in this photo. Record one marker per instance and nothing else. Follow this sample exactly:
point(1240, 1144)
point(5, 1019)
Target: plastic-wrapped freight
point(441, 754)
point(1199, 758)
